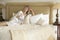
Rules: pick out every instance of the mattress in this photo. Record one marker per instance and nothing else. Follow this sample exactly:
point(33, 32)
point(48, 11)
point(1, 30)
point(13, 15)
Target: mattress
point(29, 32)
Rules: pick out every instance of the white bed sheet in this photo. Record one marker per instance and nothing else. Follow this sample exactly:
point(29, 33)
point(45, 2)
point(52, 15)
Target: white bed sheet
point(44, 30)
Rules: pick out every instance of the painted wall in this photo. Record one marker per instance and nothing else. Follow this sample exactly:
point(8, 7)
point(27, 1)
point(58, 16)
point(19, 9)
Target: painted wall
point(54, 1)
point(57, 6)
point(26, 0)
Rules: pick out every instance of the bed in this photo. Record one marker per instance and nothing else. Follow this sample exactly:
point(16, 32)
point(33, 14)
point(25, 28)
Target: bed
point(31, 29)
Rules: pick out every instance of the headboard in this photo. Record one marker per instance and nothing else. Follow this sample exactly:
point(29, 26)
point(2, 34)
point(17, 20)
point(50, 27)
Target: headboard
point(37, 7)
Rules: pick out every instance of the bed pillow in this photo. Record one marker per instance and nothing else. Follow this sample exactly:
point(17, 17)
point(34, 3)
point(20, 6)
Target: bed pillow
point(35, 18)
point(45, 18)
point(40, 22)
point(27, 19)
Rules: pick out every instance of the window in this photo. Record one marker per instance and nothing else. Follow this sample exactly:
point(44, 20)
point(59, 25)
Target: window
point(1, 18)
point(59, 16)
point(54, 15)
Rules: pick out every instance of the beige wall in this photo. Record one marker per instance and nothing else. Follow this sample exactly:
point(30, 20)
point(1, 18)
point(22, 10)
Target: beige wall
point(53, 1)
point(1, 5)
point(56, 6)
point(29, 0)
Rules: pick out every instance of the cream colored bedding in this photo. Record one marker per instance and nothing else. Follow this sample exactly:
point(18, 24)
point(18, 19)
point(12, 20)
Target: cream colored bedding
point(30, 32)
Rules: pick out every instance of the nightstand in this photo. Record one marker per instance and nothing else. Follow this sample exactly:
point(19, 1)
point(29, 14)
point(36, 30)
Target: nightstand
point(58, 32)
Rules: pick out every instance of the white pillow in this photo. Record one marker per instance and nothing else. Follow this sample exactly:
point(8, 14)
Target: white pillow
point(27, 19)
point(40, 22)
point(35, 18)
point(45, 17)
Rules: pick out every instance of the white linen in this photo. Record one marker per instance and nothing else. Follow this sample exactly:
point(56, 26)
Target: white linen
point(40, 22)
point(16, 20)
point(13, 21)
point(35, 34)
point(4, 34)
point(31, 32)
point(20, 14)
point(35, 18)
point(45, 18)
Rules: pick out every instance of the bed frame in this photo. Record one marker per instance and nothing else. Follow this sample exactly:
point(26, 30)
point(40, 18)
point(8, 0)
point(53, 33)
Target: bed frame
point(38, 7)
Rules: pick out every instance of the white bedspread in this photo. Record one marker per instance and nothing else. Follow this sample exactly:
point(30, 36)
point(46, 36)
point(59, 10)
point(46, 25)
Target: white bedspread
point(29, 32)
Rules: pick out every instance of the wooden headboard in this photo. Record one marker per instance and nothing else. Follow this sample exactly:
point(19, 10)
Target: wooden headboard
point(37, 7)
